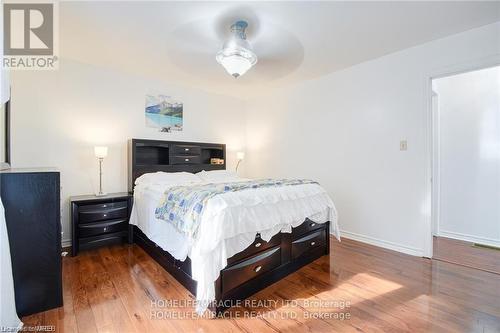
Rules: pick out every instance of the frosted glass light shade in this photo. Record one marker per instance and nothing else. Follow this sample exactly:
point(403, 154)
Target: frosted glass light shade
point(236, 65)
point(101, 152)
point(240, 156)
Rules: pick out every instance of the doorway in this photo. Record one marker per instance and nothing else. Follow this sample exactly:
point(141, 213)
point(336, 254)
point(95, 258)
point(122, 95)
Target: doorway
point(466, 169)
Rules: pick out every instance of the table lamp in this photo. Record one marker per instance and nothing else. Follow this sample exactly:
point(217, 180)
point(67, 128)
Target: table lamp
point(240, 156)
point(100, 153)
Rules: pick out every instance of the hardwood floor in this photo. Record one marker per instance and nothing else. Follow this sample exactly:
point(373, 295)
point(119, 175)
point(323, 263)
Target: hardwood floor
point(113, 289)
point(464, 253)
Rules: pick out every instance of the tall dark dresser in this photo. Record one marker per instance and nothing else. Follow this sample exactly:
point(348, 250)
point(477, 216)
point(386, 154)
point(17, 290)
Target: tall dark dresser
point(32, 211)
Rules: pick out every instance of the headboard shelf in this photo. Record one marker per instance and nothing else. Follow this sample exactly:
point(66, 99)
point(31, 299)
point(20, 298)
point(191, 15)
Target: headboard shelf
point(146, 156)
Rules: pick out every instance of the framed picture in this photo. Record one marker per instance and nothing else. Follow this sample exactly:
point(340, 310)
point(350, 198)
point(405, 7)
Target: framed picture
point(164, 113)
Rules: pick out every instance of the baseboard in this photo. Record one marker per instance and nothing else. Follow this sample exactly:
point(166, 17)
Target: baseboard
point(383, 243)
point(469, 238)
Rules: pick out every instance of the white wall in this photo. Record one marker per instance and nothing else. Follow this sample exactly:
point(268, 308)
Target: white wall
point(344, 130)
point(469, 149)
point(59, 116)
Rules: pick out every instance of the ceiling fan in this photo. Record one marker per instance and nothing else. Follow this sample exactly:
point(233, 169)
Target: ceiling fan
point(237, 56)
point(237, 38)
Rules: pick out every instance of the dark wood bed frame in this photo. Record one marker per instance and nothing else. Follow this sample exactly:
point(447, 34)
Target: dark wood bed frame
point(248, 271)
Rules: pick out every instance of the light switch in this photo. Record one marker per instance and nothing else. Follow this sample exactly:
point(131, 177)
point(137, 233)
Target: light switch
point(403, 145)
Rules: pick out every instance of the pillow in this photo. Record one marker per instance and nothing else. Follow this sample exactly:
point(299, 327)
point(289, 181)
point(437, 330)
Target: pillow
point(161, 177)
point(218, 175)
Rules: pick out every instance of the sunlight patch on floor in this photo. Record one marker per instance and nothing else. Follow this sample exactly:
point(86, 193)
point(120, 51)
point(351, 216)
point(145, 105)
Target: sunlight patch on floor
point(377, 285)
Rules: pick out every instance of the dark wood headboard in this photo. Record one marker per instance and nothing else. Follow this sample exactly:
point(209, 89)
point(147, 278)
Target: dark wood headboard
point(145, 156)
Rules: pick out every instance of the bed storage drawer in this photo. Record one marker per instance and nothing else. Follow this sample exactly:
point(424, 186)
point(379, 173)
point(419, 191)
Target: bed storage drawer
point(186, 150)
point(257, 246)
point(98, 228)
point(235, 275)
point(308, 242)
point(185, 265)
point(306, 227)
point(187, 159)
point(93, 213)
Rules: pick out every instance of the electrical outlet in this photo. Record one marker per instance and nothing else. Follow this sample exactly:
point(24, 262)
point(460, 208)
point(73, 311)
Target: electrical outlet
point(403, 145)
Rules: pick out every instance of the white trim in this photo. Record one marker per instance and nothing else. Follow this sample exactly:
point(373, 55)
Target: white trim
point(429, 188)
point(469, 238)
point(435, 172)
point(382, 243)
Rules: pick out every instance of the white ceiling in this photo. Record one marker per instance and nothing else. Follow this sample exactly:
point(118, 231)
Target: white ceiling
point(295, 41)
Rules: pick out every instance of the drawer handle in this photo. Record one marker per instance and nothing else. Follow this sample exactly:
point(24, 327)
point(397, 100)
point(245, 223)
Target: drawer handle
point(186, 160)
point(104, 215)
point(258, 244)
point(312, 224)
point(186, 149)
point(105, 206)
point(257, 269)
point(105, 228)
point(313, 243)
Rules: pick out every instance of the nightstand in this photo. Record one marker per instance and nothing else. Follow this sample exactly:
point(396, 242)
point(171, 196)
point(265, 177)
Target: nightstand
point(98, 221)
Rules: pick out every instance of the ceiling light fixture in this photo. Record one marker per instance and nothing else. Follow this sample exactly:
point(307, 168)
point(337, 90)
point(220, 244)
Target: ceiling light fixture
point(236, 55)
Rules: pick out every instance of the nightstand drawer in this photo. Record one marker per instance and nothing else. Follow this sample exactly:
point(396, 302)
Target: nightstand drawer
point(106, 239)
point(104, 227)
point(185, 159)
point(103, 206)
point(185, 150)
point(105, 211)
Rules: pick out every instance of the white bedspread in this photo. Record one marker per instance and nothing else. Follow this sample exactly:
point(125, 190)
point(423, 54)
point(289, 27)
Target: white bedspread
point(229, 224)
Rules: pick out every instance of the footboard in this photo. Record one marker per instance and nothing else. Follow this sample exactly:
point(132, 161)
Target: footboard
point(258, 266)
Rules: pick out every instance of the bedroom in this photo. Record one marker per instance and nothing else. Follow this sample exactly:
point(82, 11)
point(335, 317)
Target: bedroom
point(338, 93)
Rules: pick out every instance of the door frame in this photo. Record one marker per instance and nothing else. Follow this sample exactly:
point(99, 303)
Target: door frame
point(432, 135)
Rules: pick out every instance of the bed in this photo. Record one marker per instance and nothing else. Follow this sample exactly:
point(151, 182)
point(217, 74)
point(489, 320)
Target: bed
point(246, 238)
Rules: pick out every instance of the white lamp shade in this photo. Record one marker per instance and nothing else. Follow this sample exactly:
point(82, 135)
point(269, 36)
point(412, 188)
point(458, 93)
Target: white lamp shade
point(101, 152)
point(240, 155)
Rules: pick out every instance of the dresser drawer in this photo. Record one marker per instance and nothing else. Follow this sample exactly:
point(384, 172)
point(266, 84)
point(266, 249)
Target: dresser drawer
point(306, 227)
point(187, 159)
point(243, 271)
point(105, 211)
point(103, 227)
point(257, 246)
point(185, 150)
point(308, 242)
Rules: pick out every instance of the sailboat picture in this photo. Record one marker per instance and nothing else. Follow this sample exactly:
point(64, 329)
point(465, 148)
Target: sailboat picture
point(164, 113)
